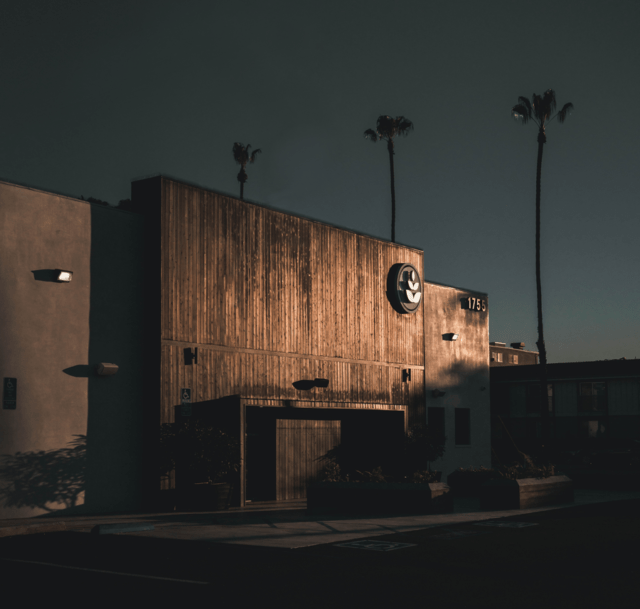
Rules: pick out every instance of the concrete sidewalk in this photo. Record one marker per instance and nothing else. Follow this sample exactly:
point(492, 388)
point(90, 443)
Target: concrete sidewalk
point(275, 526)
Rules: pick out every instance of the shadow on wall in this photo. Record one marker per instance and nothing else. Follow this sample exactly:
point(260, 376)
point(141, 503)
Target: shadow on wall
point(45, 479)
point(115, 421)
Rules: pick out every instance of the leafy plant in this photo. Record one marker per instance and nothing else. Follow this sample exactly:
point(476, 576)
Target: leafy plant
point(518, 471)
point(422, 446)
point(406, 461)
point(373, 476)
point(422, 477)
point(205, 452)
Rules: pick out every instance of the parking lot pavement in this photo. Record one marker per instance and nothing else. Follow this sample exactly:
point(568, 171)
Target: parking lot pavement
point(279, 527)
point(297, 530)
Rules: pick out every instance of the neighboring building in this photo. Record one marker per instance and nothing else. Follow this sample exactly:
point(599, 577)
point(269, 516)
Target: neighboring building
point(516, 355)
point(598, 399)
point(69, 437)
point(264, 298)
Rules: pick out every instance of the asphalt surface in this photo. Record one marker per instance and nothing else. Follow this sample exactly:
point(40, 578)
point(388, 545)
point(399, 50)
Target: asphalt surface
point(579, 556)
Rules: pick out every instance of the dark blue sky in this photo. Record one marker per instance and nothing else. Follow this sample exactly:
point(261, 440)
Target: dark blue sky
point(98, 93)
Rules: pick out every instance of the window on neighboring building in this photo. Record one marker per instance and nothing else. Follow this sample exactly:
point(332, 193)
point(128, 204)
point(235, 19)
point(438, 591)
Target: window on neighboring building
point(533, 398)
point(496, 357)
point(499, 400)
point(463, 426)
point(435, 420)
point(514, 359)
point(592, 397)
point(591, 429)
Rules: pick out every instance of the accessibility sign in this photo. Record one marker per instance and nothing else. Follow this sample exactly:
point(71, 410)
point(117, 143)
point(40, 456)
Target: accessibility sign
point(185, 401)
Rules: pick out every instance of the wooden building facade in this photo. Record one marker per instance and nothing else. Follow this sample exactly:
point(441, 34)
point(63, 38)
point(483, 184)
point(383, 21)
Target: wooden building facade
point(268, 299)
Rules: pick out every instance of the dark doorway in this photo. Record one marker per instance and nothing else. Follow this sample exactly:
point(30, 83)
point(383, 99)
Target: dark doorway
point(261, 454)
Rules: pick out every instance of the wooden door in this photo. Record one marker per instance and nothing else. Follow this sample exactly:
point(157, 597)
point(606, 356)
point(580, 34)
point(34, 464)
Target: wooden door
point(299, 445)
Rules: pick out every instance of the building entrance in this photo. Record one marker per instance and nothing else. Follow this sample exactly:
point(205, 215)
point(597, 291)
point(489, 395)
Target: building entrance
point(285, 446)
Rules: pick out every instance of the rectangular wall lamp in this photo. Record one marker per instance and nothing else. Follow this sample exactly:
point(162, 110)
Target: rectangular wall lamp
point(63, 276)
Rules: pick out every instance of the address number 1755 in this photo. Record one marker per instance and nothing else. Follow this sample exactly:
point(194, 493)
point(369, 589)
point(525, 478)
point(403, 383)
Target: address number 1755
point(476, 304)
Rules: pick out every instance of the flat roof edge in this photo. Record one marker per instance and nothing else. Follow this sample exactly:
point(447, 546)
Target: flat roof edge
point(454, 287)
point(275, 209)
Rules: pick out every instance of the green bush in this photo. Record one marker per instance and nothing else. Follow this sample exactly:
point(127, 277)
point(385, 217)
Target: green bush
point(518, 471)
point(205, 453)
point(406, 459)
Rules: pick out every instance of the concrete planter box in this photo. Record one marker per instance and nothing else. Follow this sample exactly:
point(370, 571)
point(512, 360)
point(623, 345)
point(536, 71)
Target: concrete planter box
point(379, 497)
point(468, 484)
point(205, 497)
point(501, 494)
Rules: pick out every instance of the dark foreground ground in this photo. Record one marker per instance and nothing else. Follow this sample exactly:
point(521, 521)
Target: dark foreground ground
point(576, 557)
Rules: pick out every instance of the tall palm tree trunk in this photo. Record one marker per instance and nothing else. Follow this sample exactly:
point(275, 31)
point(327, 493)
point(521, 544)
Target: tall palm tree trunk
point(242, 178)
point(393, 193)
point(544, 398)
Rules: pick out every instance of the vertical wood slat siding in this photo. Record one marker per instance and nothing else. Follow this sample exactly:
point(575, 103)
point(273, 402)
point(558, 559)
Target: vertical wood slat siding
point(299, 444)
point(219, 374)
point(238, 275)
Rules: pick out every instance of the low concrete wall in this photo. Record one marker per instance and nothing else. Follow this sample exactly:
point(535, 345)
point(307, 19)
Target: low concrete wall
point(525, 493)
point(371, 498)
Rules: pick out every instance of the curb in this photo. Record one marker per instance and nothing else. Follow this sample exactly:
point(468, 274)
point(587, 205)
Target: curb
point(29, 529)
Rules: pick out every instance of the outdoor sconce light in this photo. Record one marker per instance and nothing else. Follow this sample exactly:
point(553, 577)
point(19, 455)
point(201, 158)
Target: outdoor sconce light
point(106, 369)
point(63, 276)
point(406, 375)
point(436, 393)
point(190, 356)
point(450, 336)
point(306, 385)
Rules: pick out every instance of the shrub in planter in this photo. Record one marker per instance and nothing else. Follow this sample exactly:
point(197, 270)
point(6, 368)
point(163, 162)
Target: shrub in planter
point(379, 497)
point(401, 483)
point(206, 459)
point(525, 485)
point(519, 471)
point(406, 461)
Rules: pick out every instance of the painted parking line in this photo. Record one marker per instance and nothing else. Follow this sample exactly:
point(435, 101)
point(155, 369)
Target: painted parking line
point(370, 544)
point(506, 525)
point(51, 564)
point(448, 534)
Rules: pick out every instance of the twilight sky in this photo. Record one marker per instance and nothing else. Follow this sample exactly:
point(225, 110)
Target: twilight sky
point(95, 94)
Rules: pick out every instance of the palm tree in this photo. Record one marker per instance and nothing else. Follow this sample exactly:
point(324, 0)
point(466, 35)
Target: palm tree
point(386, 129)
point(540, 110)
point(241, 155)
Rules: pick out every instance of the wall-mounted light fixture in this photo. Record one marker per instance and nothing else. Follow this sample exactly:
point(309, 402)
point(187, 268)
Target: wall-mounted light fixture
point(104, 369)
point(190, 356)
point(63, 276)
point(436, 393)
point(306, 385)
point(450, 336)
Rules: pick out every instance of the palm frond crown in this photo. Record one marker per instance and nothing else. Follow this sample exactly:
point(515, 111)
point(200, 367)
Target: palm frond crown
point(387, 128)
point(241, 153)
point(540, 109)
point(254, 154)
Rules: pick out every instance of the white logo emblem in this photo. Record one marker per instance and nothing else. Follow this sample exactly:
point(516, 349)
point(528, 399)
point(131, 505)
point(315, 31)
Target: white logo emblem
point(413, 293)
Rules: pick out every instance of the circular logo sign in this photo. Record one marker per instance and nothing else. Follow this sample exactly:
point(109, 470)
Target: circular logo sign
point(405, 288)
